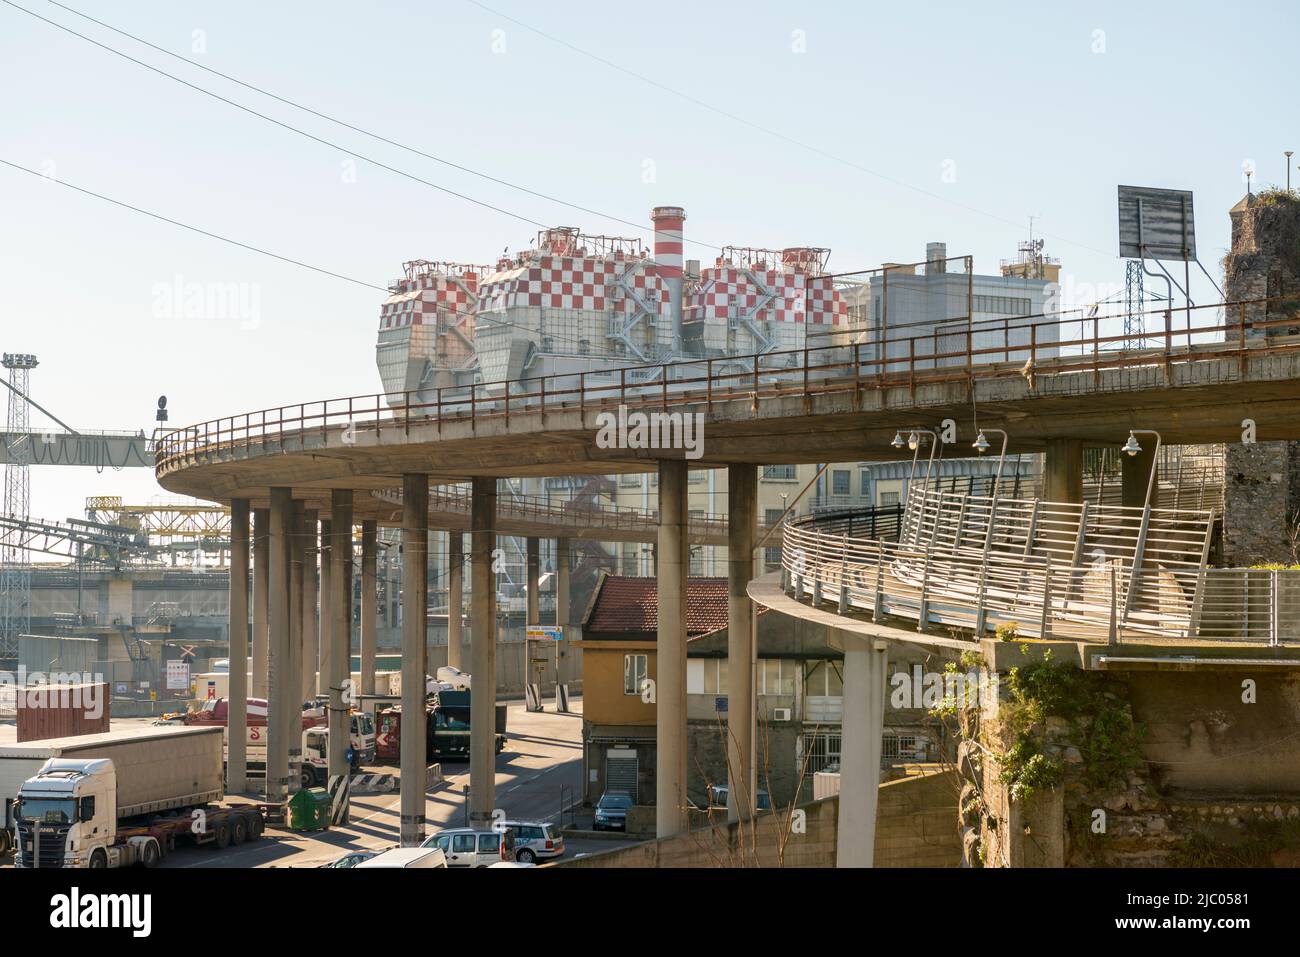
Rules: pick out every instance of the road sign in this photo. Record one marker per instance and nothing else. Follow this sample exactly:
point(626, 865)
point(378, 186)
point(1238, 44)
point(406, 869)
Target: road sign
point(544, 633)
point(178, 675)
point(1156, 224)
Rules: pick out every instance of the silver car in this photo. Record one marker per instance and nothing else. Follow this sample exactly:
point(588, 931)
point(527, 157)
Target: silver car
point(536, 841)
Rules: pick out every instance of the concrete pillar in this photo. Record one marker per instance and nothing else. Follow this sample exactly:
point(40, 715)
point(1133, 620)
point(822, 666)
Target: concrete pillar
point(277, 676)
point(310, 623)
point(293, 706)
point(533, 561)
point(236, 758)
point(261, 582)
point(562, 581)
point(415, 595)
point(340, 650)
point(865, 663)
point(670, 653)
point(1135, 472)
point(326, 572)
point(483, 653)
point(742, 496)
point(456, 600)
point(1063, 471)
point(369, 604)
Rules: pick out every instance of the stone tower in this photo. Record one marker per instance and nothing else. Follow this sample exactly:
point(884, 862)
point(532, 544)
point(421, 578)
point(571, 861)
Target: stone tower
point(1262, 481)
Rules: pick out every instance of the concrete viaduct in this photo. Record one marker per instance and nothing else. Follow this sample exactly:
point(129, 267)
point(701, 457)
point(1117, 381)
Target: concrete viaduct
point(288, 467)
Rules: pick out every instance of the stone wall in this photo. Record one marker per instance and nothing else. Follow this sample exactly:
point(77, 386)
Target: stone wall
point(1261, 499)
point(1262, 481)
point(916, 826)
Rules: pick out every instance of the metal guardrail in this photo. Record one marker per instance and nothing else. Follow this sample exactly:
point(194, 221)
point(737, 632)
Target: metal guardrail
point(1091, 573)
point(811, 371)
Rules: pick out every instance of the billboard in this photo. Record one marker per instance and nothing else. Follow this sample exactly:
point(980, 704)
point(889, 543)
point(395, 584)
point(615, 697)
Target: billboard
point(1156, 224)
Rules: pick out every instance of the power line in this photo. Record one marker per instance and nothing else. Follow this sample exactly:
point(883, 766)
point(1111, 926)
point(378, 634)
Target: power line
point(280, 123)
point(477, 317)
point(370, 133)
point(195, 229)
point(768, 131)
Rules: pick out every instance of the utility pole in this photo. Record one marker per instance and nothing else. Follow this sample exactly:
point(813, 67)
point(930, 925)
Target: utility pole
point(15, 559)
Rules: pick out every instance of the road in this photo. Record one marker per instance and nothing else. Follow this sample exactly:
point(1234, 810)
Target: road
point(543, 754)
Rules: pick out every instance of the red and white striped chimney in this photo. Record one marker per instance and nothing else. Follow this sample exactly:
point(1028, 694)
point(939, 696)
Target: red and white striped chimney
point(668, 222)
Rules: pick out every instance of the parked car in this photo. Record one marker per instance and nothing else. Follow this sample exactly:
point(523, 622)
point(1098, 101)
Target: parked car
point(407, 857)
point(611, 811)
point(468, 847)
point(536, 840)
point(718, 798)
point(352, 859)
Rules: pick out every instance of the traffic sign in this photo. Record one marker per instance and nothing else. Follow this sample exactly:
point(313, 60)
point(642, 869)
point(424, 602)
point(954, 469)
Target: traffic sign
point(544, 632)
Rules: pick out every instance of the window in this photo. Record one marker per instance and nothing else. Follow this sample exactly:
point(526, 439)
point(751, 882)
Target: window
point(706, 676)
point(462, 843)
point(821, 750)
point(889, 498)
point(824, 678)
point(779, 473)
point(1001, 305)
point(772, 553)
point(776, 677)
point(635, 672)
point(840, 482)
point(489, 843)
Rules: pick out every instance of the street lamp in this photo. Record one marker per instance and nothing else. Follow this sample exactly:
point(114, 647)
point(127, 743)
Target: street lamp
point(1131, 448)
point(1288, 154)
point(982, 445)
point(898, 442)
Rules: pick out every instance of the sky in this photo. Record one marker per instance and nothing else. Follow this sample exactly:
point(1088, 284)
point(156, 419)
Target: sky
point(869, 128)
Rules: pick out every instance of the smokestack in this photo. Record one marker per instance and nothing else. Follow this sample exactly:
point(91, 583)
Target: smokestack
point(935, 254)
point(668, 222)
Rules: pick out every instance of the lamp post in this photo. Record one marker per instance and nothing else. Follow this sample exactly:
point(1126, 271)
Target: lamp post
point(914, 443)
point(981, 445)
point(1288, 154)
point(1132, 448)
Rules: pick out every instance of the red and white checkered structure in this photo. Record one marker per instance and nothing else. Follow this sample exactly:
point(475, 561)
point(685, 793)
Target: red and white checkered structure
point(602, 298)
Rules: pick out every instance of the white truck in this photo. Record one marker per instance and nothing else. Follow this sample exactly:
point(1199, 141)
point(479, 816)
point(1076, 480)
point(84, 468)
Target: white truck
point(119, 798)
point(315, 769)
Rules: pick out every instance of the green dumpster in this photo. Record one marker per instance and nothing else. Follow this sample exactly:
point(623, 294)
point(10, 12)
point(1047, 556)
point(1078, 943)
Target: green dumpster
point(309, 810)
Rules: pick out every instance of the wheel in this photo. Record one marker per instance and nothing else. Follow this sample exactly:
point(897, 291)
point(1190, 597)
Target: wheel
point(526, 856)
point(222, 838)
point(255, 827)
point(4, 841)
point(152, 854)
point(98, 861)
point(238, 831)
point(307, 777)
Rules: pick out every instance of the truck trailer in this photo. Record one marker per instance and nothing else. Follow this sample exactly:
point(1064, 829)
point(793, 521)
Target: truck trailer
point(119, 798)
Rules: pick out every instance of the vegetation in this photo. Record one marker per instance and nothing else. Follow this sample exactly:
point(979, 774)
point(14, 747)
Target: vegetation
point(1099, 726)
point(1253, 847)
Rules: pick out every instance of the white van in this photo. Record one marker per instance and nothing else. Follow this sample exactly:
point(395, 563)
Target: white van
point(467, 847)
point(407, 857)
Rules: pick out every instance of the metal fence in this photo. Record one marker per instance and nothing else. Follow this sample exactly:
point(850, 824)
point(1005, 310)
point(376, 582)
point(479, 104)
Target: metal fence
point(1047, 346)
point(1050, 570)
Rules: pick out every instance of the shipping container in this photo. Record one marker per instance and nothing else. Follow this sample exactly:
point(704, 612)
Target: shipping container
point(62, 711)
